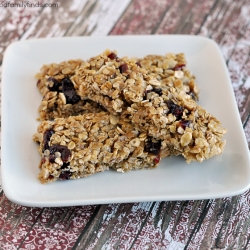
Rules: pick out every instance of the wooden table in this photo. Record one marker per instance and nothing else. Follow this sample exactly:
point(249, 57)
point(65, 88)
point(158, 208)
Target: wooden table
point(200, 224)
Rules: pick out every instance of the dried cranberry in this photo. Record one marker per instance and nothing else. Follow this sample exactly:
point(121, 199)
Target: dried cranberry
point(184, 123)
point(52, 158)
point(51, 177)
point(157, 91)
point(175, 109)
point(123, 68)
point(179, 66)
point(46, 138)
point(153, 146)
point(138, 64)
point(38, 82)
point(74, 99)
point(65, 152)
point(56, 84)
point(65, 175)
point(157, 159)
point(112, 56)
point(69, 91)
point(65, 165)
point(54, 148)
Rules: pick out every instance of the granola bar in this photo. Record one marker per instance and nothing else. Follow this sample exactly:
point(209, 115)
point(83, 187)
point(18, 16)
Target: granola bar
point(115, 82)
point(170, 67)
point(156, 98)
point(80, 146)
point(51, 74)
point(59, 96)
point(183, 127)
point(165, 111)
point(68, 86)
point(55, 105)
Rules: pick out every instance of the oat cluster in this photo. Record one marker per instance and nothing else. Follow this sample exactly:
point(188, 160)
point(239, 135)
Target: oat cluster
point(121, 113)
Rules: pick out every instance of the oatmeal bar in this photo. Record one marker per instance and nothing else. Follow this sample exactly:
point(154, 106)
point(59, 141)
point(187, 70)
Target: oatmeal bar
point(169, 67)
point(165, 111)
point(50, 75)
point(115, 82)
point(68, 86)
point(55, 105)
point(80, 146)
point(183, 127)
point(59, 96)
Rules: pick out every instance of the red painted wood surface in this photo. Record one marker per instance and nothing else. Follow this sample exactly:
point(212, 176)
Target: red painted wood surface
point(203, 224)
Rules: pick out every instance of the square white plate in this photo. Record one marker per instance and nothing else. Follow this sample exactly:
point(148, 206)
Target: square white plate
point(224, 175)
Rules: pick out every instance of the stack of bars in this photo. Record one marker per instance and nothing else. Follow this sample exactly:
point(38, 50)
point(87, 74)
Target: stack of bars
point(120, 113)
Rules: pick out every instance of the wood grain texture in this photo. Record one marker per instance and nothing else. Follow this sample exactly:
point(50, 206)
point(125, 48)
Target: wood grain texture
point(233, 35)
point(202, 224)
point(33, 228)
point(168, 17)
point(13, 22)
point(77, 18)
point(170, 225)
point(141, 17)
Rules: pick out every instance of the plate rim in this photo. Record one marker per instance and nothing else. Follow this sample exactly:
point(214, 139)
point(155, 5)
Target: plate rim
point(17, 200)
